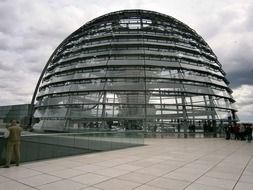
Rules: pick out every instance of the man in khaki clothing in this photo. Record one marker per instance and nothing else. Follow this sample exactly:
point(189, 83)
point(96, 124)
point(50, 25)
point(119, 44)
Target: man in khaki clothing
point(13, 143)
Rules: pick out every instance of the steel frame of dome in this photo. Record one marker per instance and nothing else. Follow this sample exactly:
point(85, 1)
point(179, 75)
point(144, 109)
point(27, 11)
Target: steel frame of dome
point(133, 69)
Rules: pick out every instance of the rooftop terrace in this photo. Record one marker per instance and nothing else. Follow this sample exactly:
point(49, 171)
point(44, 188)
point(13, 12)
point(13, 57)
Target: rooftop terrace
point(191, 164)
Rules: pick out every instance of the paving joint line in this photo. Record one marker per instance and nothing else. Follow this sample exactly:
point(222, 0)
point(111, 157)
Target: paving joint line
point(212, 168)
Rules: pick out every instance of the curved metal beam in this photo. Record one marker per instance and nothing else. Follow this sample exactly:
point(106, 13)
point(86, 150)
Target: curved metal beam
point(30, 113)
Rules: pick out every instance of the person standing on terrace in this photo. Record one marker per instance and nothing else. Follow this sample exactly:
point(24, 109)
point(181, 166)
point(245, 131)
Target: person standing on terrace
point(13, 143)
point(249, 133)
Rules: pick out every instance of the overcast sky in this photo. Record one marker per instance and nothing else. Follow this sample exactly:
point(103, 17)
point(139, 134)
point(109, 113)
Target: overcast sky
point(30, 30)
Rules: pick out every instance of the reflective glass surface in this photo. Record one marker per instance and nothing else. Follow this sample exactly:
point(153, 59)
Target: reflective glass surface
point(132, 70)
point(45, 146)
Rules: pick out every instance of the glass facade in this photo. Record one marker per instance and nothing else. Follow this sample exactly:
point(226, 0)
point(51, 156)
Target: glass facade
point(133, 69)
point(54, 145)
point(15, 112)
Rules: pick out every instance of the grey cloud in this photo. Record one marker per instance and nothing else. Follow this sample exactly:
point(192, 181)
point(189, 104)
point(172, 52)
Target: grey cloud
point(238, 64)
point(230, 35)
point(249, 19)
point(238, 78)
point(211, 26)
point(8, 16)
point(4, 67)
point(243, 95)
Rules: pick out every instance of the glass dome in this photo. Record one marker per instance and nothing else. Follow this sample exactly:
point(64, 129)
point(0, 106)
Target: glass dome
point(133, 69)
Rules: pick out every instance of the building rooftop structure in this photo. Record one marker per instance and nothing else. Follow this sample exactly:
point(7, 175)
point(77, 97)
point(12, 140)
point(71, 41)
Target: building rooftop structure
point(133, 69)
point(174, 164)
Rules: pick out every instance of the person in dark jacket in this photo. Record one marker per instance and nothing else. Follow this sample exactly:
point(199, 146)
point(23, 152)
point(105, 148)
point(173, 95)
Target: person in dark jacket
point(249, 133)
point(13, 144)
point(227, 132)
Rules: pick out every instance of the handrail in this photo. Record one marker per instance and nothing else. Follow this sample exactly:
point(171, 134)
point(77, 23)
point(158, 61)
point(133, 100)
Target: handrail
point(80, 133)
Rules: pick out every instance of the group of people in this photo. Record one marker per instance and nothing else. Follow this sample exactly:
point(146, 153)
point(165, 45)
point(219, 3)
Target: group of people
point(239, 132)
point(13, 136)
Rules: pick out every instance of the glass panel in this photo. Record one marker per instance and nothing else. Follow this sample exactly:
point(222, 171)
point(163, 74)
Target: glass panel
point(85, 111)
point(89, 98)
point(46, 146)
point(55, 112)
